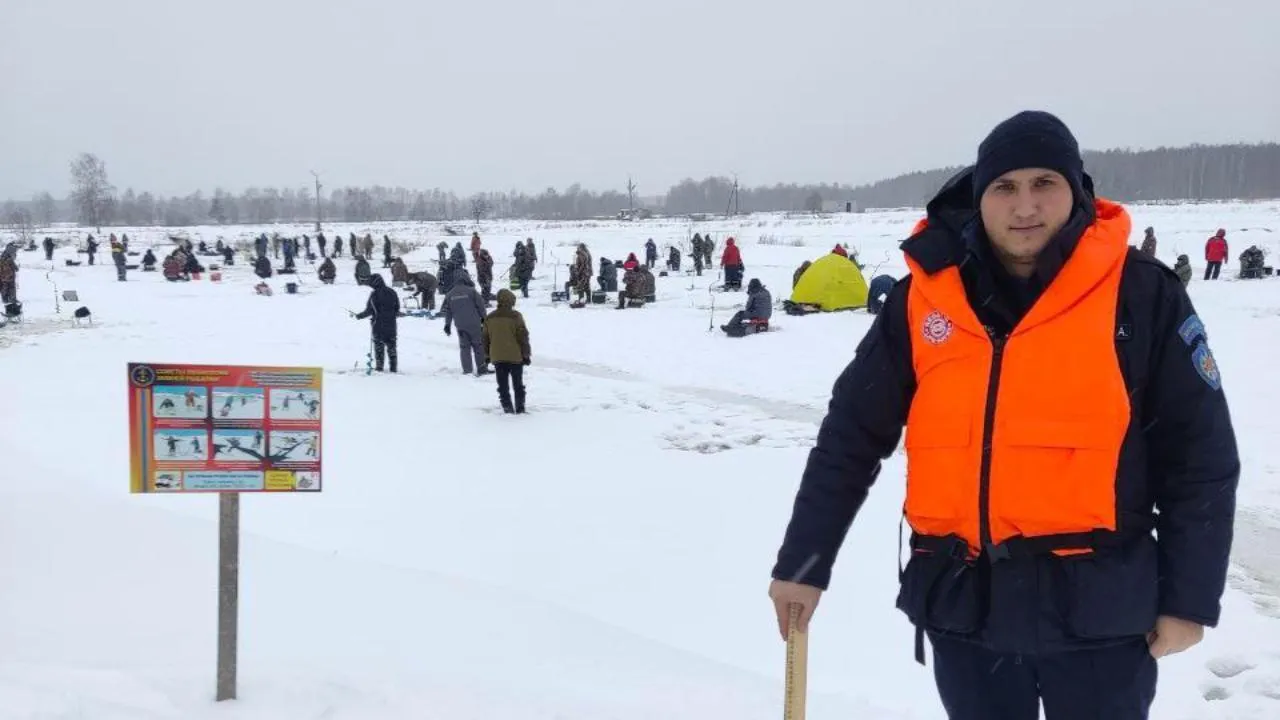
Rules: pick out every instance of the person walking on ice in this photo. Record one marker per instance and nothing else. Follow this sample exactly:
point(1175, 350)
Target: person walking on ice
point(1044, 429)
point(506, 344)
point(464, 307)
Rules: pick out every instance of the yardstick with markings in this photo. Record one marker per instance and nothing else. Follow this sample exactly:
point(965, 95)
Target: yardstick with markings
point(797, 665)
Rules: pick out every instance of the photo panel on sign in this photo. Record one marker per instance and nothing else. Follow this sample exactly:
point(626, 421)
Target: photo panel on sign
point(293, 404)
point(295, 445)
point(180, 402)
point(180, 444)
point(239, 403)
point(239, 445)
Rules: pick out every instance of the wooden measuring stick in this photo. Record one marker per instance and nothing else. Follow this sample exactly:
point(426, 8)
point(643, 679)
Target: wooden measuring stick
point(797, 665)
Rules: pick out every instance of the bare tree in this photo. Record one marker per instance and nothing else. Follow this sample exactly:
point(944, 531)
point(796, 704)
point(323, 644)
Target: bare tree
point(813, 203)
point(479, 207)
point(91, 192)
point(45, 209)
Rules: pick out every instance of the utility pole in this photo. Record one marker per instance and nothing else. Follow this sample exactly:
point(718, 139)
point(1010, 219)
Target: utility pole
point(733, 207)
point(318, 217)
point(631, 196)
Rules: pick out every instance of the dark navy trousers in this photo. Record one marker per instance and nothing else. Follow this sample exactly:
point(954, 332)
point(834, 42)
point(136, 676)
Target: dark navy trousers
point(1109, 683)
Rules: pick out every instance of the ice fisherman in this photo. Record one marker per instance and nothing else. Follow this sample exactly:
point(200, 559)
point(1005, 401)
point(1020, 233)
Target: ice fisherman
point(1183, 269)
point(424, 286)
point(9, 274)
point(383, 311)
point(638, 286)
point(1215, 253)
point(650, 253)
point(506, 344)
point(731, 263)
point(759, 309)
point(49, 246)
point(1149, 242)
point(464, 307)
point(327, 271)
point(1033, 569)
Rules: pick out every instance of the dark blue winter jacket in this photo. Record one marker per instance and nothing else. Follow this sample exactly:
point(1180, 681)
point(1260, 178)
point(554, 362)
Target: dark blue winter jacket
point(879, 289)
point(1179, 458)
point(759, 301)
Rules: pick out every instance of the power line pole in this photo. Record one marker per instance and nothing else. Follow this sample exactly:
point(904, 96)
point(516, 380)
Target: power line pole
point(733, 208)
point(631, 196)
point(318, 214)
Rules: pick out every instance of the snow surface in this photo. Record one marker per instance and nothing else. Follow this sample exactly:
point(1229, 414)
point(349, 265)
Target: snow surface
point(606, 556)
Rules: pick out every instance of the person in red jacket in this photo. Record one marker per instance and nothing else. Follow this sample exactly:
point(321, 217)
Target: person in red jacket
point(632, 263)
point(839, 250)
point(1215, 251)
point(731, 262)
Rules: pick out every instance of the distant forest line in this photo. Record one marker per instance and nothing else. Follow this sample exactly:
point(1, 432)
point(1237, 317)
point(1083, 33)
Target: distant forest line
point(1195, 173)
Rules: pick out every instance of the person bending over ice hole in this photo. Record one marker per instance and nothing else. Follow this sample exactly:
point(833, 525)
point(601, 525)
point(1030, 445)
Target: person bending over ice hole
point(464, 307)
point(673, 259)
point(506, 343)
point(755, 316)
point(327, 272)
point(383, 309)
point(423, 285)
point(637, 287)
point(1044, 430)
point(608, 277)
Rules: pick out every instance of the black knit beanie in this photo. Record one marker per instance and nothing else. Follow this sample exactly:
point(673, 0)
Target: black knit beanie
point(1030, 139)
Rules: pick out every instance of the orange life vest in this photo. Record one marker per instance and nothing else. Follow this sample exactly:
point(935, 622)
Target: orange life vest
point(1019, 436)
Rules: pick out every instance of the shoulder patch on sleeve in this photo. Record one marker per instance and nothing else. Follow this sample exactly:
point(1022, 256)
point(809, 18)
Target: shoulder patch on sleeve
point(1206, 366)
point(1191, 329)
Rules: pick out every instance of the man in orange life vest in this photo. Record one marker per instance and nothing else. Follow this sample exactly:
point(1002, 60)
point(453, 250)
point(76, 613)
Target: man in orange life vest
point(1057, 390)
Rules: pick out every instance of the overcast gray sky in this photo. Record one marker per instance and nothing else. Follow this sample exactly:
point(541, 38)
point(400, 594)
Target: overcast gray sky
point(176, 95)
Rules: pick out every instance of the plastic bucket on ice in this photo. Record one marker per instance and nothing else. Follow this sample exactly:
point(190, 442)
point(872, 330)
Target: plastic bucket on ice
point(215, 277)
point(195, 276)
point(291, 288)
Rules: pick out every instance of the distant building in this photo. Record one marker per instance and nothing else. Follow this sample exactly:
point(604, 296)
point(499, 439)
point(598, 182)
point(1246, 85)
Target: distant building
point(838, 206)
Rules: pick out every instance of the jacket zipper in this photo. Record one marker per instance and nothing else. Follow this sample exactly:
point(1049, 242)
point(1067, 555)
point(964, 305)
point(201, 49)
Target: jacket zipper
point(988, 429)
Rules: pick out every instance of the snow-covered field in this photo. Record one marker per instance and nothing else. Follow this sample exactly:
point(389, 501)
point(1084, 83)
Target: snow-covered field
point(606, 556)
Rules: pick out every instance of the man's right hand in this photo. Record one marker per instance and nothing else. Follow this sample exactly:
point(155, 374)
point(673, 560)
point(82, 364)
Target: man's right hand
point(785, 594)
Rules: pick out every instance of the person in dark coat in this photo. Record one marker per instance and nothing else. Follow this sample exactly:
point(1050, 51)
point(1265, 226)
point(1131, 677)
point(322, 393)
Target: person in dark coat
point(362, 272)
point(49, 247)
point(532, 252)
point(442, 247)
point(423, 285)
point(608, 277)
point(262, 267)
point(484, 273)
point(1183, 269)
point(260, 245)
point(1149, 243)
point(92, 246)
point(708, 247)
point(328, 272)
point(759, 309)
point(228, 256)
point(321, 241)
point(337, 246)
point(878, 292)
point(697, 253)
point(9, 274)
point(386, 251)
point(464, 307)
point(458, 256)
point(673, 259)
point(383, 309)
point(637, 287)
point(148, 261)
point(290, 247)
point(650, 253)
point(506, 344)
point(1044, 432)
point(522, 270)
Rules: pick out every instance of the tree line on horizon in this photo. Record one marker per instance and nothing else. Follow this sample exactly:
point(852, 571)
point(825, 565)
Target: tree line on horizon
point(1193, 173)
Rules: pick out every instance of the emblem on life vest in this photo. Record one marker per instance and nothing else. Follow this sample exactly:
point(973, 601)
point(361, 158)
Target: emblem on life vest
point(936, 328)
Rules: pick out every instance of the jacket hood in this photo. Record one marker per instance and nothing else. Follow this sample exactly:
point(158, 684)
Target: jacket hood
point(462, 277)
point(506, 299)
point(376, 282)
point(632, 258)
point(729, 242)
point(755, 285)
